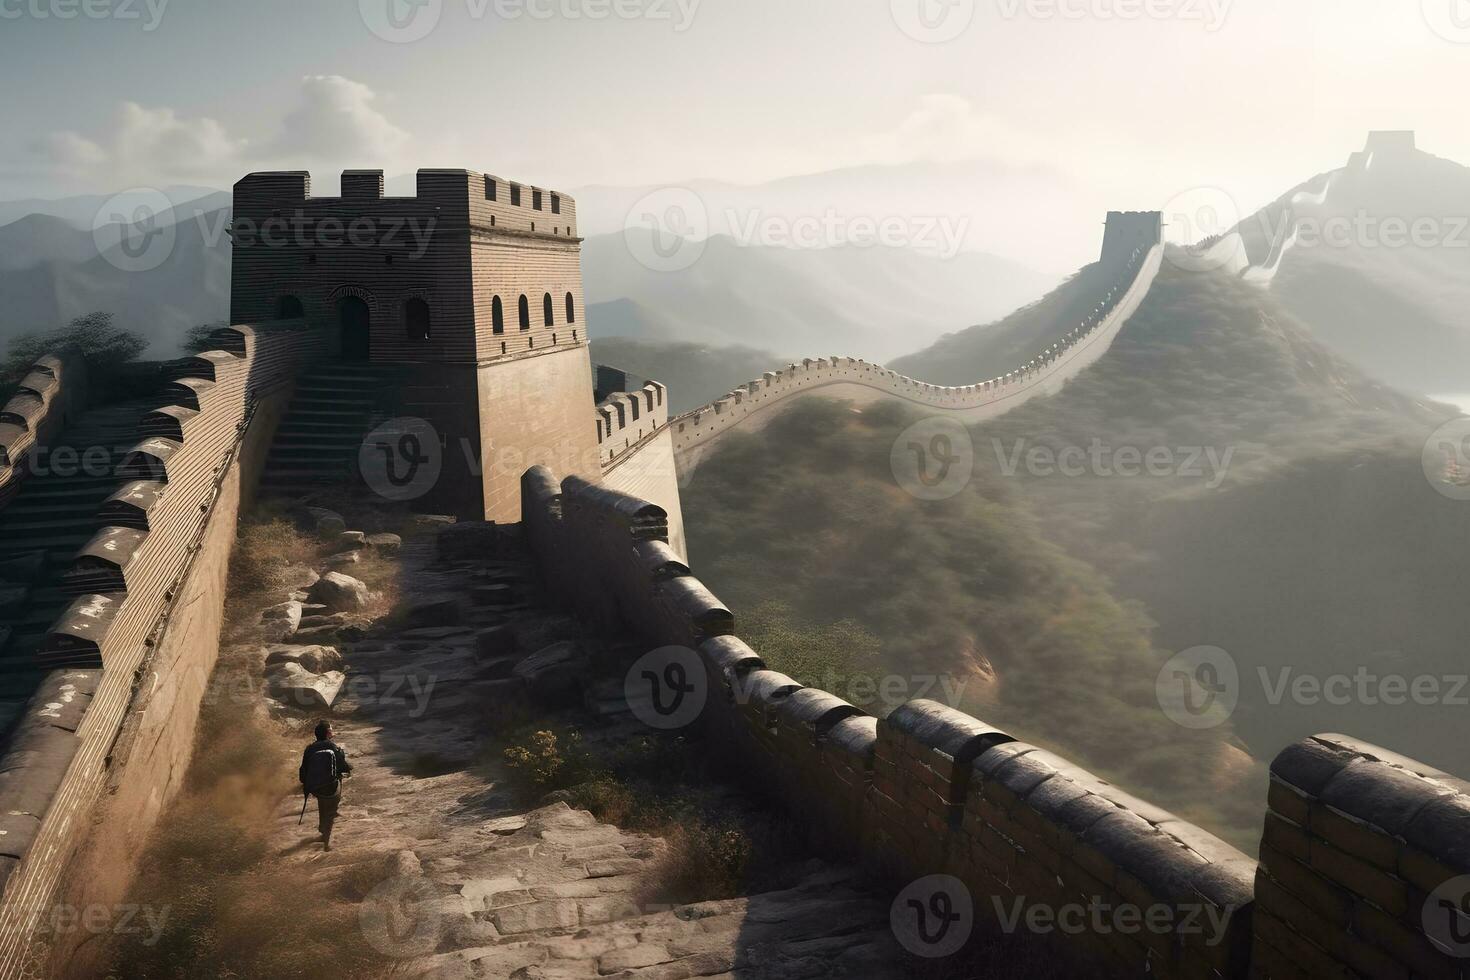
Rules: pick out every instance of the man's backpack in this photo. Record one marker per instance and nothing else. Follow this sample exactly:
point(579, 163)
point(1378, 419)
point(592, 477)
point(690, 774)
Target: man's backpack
point(322, 777)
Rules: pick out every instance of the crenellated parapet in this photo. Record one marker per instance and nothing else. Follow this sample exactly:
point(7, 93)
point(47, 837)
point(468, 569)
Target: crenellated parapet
point(165, 483)
point(626, 418)
point(482, 200)
point(51, 393)
point(1365, 862)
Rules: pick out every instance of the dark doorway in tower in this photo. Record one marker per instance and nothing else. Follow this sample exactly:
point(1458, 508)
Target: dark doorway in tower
point(356, 324)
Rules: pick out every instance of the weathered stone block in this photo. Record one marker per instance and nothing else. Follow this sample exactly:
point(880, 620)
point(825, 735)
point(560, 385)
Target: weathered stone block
point(1442, 830)
point(337, 592)
point(295, 685)
point(1289, 801)
point(315, 659)
point(1329, 899)
point(1387, 891)
point(553, 675)
point(1354, 836)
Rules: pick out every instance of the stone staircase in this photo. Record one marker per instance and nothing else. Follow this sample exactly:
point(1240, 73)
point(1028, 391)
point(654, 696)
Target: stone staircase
point(55, 514)
point(317, 444)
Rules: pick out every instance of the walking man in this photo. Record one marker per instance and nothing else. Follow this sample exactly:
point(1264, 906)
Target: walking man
point(323, 766)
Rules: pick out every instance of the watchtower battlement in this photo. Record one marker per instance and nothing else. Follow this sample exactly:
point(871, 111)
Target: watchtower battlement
point(471, 289)
point(471, 269)
point(1127, 231)
point(484, 200)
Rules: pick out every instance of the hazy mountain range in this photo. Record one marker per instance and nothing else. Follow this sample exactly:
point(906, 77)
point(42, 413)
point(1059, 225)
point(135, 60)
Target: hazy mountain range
point(1380, 269)
point(874, 302)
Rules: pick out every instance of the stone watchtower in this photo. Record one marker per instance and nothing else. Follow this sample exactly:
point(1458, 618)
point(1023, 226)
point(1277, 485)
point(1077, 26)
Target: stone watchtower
point(471, 290)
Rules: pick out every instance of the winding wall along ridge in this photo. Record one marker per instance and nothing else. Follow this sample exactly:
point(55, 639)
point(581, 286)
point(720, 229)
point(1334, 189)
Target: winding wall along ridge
point(1043, 375)
point(1365, 861)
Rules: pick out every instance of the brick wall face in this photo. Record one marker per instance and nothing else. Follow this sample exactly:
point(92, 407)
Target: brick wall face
point(534, 410)
point(1357, 842)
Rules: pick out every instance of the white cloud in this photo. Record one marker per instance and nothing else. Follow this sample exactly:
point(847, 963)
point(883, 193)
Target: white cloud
point(158, 141)
point(335, 125)
point(69, 152)
point(337, 121)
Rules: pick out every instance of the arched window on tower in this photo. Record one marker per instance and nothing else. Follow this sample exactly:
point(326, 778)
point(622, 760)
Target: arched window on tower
point(546, 313)
point(289, 308)
point(525, 312)
point(497, 316)
point(416, 319)
point(571, 309)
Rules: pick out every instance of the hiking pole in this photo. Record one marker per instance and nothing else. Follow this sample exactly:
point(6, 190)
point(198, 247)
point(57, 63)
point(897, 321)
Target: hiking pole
point(305, 799)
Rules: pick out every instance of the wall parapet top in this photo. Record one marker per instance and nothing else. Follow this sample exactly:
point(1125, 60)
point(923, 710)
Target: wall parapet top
point(932, 790)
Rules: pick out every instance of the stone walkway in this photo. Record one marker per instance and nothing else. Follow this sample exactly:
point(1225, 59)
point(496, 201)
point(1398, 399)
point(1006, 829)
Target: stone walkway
point(478, 886)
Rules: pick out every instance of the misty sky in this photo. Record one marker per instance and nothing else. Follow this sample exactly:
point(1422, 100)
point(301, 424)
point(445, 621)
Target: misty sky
point(1253, 95)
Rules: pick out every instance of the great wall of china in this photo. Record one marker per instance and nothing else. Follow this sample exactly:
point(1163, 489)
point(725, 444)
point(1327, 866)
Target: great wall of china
point(114, 590)
point(856, 379)
point(1362, 861)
